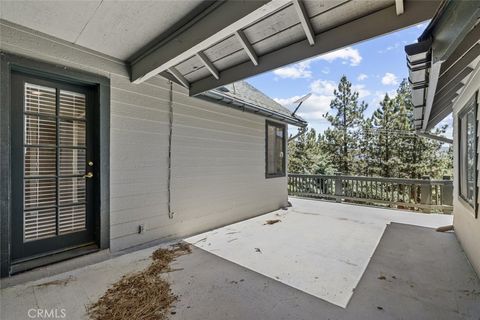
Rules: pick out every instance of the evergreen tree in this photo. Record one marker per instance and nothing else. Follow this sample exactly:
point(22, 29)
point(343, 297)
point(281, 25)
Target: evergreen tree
point(384, 145)
point(385, 120)
point(340, 141)
point(368, 150)
point(305, 155)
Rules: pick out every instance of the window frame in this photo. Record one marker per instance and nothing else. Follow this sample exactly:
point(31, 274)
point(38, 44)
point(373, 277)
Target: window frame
point(284, 147)
point(471, 104)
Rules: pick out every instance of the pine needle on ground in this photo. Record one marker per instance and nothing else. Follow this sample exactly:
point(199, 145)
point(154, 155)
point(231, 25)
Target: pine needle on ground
point(143, 295)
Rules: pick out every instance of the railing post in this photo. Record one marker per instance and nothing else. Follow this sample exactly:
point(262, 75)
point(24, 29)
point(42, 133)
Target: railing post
point(338, 187)
point(426, 194)
point(447, 192)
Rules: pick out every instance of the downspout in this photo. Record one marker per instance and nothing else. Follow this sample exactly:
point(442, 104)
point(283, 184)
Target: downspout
point(170, 130)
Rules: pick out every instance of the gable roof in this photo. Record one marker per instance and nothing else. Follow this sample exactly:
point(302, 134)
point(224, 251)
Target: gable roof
point(244, 96)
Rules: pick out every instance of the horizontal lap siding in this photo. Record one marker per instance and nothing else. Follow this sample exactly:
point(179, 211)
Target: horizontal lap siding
point(218, 173)
point(218, 165)
point(467, 227)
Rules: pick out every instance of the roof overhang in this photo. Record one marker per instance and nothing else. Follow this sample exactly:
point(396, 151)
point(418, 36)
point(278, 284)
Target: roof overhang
point(235, 40)
point(442, 61)
point(228, 100)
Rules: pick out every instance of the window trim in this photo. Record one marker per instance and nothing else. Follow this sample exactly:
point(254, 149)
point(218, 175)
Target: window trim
point(284, 164)
point(471, 103)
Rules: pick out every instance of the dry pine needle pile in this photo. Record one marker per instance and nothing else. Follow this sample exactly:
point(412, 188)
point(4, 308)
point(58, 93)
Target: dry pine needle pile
point(143, 295)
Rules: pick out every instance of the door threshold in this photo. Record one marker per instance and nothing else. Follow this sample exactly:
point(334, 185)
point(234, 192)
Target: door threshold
point(19, 266)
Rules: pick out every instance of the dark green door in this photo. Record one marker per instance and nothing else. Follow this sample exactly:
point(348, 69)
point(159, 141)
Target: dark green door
point(53, 167)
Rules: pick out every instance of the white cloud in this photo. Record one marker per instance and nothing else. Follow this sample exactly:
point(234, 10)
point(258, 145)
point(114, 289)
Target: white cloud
point(362, 76)
point(323, 87)
point(303, 70)
point(315, 107)
point(389, 79)
point(347, 54)
point(362, 92)
point(295, 71)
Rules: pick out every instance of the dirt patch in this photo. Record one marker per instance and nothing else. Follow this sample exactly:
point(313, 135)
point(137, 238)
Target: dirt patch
point(269, 222)
point(142, 295)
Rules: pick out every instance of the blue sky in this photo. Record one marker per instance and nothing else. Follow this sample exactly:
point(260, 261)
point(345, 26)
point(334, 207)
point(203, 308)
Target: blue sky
point(374, 67)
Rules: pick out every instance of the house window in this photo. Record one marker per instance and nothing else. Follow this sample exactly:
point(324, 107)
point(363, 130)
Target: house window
point(467, 124)
point(275, 149)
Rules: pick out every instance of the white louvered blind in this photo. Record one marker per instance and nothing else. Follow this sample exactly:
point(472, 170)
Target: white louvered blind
point(54, 162)
point(72, 160)
point(40, 217)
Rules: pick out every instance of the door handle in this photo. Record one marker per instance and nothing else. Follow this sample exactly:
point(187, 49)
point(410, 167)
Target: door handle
point(89, 175)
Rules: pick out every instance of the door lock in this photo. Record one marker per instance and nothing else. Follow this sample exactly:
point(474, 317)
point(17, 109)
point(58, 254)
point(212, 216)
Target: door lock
point(89, 175)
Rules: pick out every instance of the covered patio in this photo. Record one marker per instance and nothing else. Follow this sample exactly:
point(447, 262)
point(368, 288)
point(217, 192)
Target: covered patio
point(375, 264)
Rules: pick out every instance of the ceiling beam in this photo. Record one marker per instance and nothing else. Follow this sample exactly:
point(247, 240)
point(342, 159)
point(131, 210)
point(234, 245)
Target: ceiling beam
point(209, 28)
point(447, 79)
point(457, 66)
point(179, 77)
point(246, 45)
point(441, 111)
point(399, 7)
point(304, 21)
point(369, 26)
point(447, 94)
point(435, 137)
point(472, 38)
point(208, 64)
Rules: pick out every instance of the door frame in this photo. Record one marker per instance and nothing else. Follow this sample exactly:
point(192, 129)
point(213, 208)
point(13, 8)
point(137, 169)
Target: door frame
point(9, 63)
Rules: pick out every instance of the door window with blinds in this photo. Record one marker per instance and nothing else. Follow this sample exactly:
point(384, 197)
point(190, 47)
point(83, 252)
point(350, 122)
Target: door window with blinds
point(275, 149)
point(54, 162)
point(467, 123)
point(52, 166)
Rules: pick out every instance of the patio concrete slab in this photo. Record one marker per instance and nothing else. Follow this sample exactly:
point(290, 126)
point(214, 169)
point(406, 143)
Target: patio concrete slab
point(321, 248)
point(415, 273)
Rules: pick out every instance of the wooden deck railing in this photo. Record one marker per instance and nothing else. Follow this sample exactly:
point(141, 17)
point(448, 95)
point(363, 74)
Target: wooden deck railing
point(415, 194)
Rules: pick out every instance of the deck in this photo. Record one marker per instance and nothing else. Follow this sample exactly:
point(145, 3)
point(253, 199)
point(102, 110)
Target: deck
point(321, 260)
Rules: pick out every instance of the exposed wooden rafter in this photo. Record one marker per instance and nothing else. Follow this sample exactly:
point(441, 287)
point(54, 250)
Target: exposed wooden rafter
point(365, 28)
point(208, 64)
point(247, 46)
point(179, 77)
point(305, 21)
point(399, 7)
point(208, 29)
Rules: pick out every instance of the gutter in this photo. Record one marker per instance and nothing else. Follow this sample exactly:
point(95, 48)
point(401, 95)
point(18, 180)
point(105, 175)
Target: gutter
point(237, 103)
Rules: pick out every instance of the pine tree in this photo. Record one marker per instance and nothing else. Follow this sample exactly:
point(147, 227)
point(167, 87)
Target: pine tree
point(388, 137)
point(345, 117)
point(384, 145)
point(305, 155)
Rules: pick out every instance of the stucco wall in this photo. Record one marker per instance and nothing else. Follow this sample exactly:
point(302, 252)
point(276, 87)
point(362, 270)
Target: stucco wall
point(218, 153)
point(467, 227)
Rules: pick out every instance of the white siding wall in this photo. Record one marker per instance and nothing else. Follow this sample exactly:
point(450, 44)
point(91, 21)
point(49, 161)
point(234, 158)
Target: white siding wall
point(467, 227)
point(218, 153)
